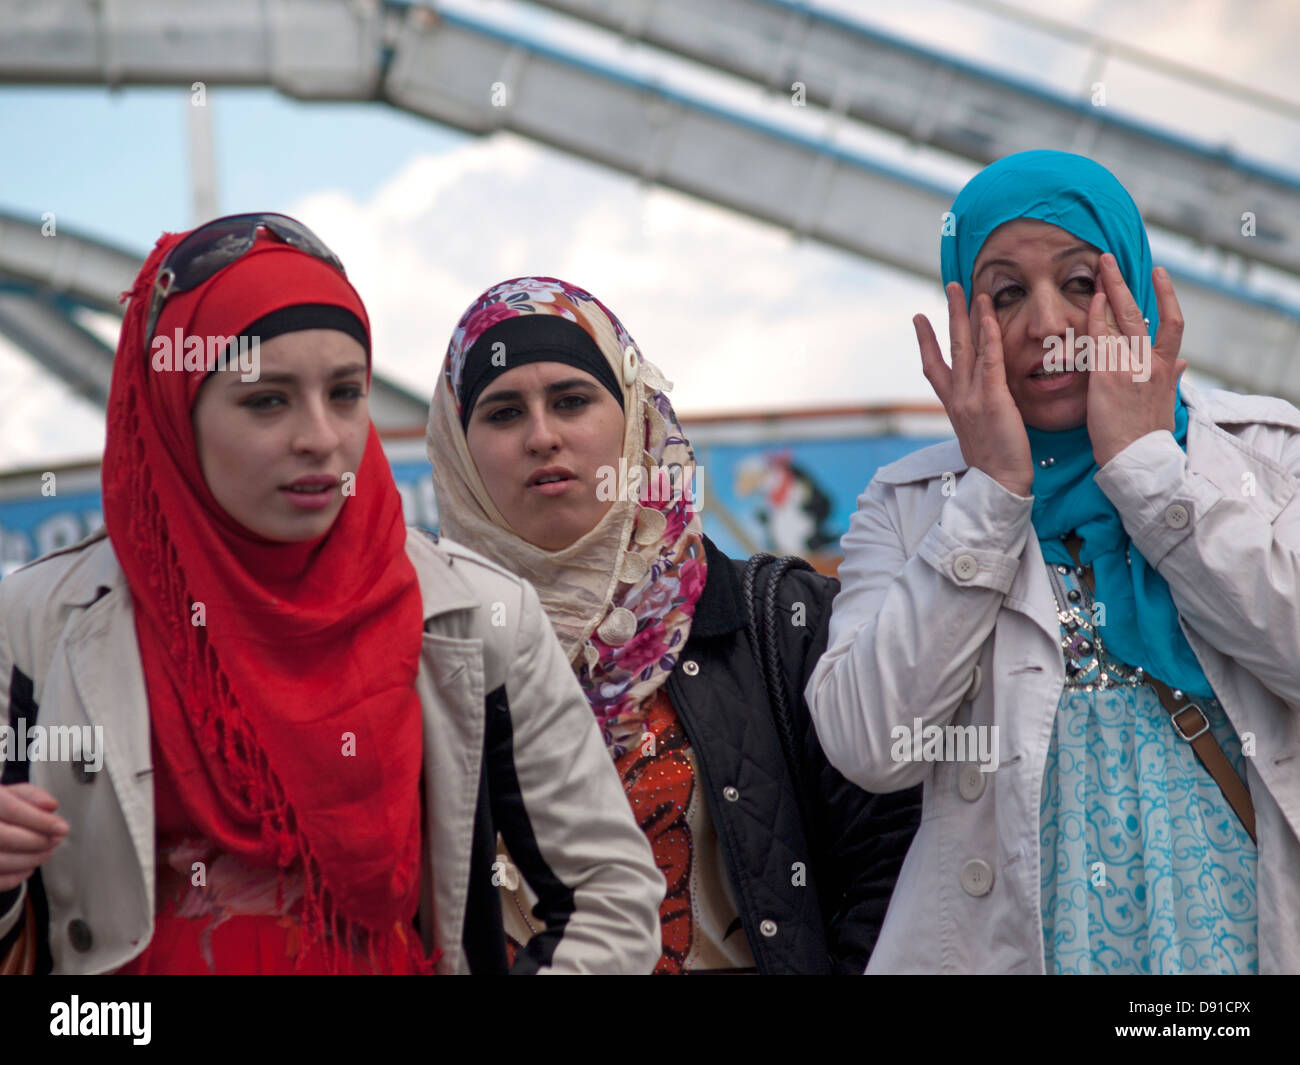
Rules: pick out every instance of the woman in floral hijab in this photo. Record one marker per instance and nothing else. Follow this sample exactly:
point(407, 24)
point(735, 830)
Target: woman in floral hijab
point(557, 454)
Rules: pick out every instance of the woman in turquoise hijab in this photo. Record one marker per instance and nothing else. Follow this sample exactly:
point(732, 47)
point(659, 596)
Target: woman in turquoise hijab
point(1083, 580)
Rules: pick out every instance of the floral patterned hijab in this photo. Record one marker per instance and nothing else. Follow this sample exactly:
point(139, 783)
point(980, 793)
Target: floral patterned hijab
point(620, 598)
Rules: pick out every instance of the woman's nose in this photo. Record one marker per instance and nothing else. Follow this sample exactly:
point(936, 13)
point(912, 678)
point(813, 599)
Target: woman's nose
point(543, 434)
point(1048, 313)
point(316, 432)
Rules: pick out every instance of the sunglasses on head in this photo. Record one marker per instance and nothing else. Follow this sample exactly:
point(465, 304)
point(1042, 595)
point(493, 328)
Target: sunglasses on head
point(213, 247)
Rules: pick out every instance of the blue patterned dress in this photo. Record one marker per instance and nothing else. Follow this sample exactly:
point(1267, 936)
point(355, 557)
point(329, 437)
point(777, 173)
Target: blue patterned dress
point(1145, 867)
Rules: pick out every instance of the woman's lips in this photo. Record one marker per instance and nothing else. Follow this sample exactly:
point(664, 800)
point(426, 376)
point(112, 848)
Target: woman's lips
point(1054, 383)
point(551, 480)
point(318, 493)
point(553, 488)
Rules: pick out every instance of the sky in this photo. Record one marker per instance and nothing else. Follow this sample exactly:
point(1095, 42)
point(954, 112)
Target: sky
point(426, 217)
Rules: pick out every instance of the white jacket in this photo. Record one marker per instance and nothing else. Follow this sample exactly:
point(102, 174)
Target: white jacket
point(491, 674)
point(946, 614)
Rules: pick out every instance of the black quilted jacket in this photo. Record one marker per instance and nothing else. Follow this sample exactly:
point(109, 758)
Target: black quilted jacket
point(812, 888)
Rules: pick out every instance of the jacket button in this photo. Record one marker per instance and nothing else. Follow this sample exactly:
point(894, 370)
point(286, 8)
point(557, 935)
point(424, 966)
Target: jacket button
point(976, 682)
point(1176, 516)
point(79, 935)
point(690, 667)
point(976, 878)
point(970, 782)
point(964, 567)
point(768, 927)
point(730, 793)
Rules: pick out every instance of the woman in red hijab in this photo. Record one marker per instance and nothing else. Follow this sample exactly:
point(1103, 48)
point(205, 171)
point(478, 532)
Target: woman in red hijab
point(282, 615)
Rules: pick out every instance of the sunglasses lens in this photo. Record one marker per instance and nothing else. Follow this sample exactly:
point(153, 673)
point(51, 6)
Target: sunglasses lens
point(214, 247)
point(302, 238)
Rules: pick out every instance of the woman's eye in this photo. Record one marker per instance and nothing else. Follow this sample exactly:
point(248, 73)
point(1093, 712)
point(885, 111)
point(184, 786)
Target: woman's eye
point(1084, 284)
point(574, 402)
point(502, 414)
point(1005, 295)
point(264, 401)
point(348, 393)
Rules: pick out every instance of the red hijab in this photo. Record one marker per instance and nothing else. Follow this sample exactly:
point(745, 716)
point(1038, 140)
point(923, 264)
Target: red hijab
point(305, 644)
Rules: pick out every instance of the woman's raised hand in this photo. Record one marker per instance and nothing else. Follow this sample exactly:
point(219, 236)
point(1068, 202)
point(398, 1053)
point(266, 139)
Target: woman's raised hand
point(974, 391)
point(29, 831)
point(1125, 405)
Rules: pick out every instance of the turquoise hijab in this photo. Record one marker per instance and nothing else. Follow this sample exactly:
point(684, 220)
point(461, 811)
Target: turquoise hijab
point(1084, 199)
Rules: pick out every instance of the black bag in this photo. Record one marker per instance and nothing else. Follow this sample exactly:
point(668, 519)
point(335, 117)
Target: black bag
point(761, 626)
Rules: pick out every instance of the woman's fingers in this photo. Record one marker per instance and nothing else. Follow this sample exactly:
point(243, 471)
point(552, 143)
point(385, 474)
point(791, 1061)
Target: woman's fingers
point(1098, 324)
point(29, 807)
point(988, 369)
point(1126, 315)
point(29, 848)
point(29, 832)
point(15, 869)
point(932, 365)
point(959, 335)
point(990, 349)
point(1169, 336)
point(34, 795)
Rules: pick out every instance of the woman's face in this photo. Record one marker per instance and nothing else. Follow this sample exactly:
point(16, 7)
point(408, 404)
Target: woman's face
point(274, 451)
point(540, 435)
point(1041, 280)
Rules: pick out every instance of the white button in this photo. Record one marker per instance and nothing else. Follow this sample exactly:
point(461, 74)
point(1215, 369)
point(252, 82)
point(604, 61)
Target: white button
point(690, 667)
point(1176, 516)
point(730, 794)
point(976, 682)
point(976, 878)
point(964, 567)
point(767, 927)
point(970, 782)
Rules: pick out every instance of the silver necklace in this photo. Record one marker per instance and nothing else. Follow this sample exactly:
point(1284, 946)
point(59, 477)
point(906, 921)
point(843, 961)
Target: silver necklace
point(1088, 665)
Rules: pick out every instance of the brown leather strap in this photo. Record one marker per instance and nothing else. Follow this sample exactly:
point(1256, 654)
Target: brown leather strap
point(1192, 725)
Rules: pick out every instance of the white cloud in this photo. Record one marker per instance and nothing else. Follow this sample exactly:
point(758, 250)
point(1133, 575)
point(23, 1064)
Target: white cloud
point(45, 423)
point(736, 314)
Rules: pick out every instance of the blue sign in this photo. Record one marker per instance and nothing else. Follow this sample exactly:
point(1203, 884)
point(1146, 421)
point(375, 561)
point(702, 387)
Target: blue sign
point(794, 498)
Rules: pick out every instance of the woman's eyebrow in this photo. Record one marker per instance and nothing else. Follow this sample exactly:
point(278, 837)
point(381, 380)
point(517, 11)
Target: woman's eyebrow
point(993, 262)
point(569, 385)
point(513, 395)
point(1063, 254)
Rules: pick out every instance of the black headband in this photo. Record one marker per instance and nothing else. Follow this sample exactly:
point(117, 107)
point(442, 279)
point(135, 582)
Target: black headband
point(302, 316)
point(530, 338)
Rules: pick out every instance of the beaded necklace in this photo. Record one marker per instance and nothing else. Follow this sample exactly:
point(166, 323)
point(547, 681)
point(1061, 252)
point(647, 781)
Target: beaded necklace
point(1088, 665)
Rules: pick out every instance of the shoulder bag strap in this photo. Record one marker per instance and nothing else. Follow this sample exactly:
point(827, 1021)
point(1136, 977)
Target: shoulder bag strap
point(762, 627)
point(1192, 725)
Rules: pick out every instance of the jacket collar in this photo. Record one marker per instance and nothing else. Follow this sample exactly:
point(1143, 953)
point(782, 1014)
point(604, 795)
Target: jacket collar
point(442, 588)
point(720, 610)
point(93, 575)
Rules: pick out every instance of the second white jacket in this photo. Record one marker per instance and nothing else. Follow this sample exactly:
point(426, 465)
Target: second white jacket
point(946, 614)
